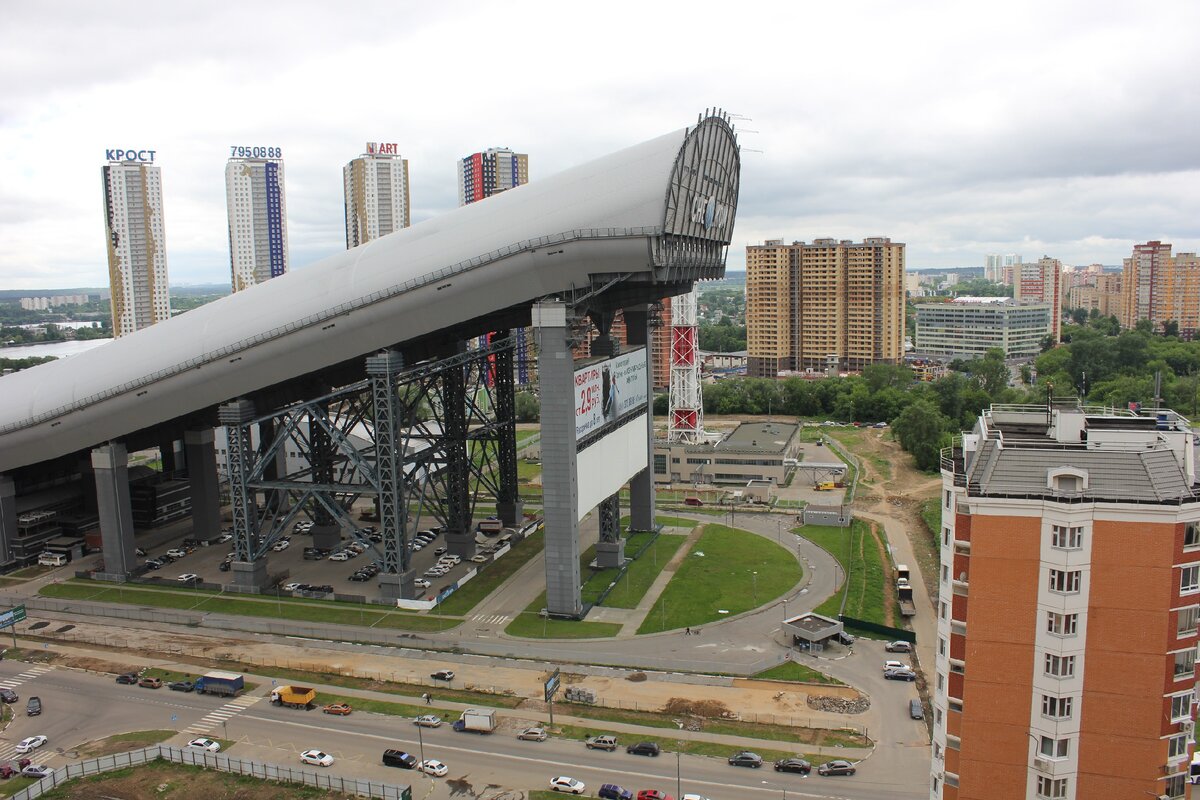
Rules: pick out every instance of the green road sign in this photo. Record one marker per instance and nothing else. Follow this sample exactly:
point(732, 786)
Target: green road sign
point(12, 616)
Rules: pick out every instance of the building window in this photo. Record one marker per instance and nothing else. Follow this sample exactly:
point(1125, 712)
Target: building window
point(1177, 746)
point(945, 573)
point(660, 464)
point(1173, 787)
point(1061, 624)
point(1189, 579)
point(1181, 706)
point(1067, 581)
point(947, 498)
point(941, 647)
point(1187, 620)
point(1060, 666)
point(1185, 663)
point(1057, 707)
point(1053, 748)
point(1051, 788)
point(1065, 538)
point(943, 608)
point(1191, 534)
point(946, 536)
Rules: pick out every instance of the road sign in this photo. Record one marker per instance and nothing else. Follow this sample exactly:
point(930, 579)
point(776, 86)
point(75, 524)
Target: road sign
point(551, 686)
point(12, 616)
point(174, 717)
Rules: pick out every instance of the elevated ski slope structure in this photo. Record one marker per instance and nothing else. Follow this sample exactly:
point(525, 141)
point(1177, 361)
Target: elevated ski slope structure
point(631, 227)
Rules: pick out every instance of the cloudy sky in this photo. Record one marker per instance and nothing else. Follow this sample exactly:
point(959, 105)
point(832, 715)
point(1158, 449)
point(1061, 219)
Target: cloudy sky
point(1063, 128)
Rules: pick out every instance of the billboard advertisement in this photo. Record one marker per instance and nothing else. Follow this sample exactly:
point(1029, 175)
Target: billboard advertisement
point(609, 390)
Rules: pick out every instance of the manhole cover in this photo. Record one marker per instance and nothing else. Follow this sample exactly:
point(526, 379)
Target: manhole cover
point(38, 625)
point(65, 628)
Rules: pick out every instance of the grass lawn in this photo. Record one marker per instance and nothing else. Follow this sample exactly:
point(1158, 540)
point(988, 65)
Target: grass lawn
point(181, 781)
point(379, 706)
point(856, 550)
point(638, 575)
point(670, 744)
point(665, 521)
point(283, 608)
point(527, 470)
point(488, 580)
point(123, 742)
point(723, 579)
point(531, 625)
point(791, 671)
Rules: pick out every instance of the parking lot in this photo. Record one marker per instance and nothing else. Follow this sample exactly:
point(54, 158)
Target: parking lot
point(204, 561)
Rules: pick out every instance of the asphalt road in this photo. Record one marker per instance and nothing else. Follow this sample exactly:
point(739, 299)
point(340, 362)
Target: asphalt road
point(481, 767)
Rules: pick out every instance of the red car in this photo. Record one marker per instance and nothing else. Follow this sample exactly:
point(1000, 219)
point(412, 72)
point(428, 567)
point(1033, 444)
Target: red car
point(341, 709)
point(653, 794)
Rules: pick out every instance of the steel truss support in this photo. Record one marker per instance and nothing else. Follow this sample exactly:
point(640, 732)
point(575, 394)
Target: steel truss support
point(460, 538)
point(249, 569)
point(508, 500)
point(389, 460)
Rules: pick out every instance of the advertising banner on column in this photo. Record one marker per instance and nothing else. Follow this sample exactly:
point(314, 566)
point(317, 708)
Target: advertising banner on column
point(608, 390)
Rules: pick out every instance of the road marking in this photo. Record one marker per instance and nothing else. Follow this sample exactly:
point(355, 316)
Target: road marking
point(491, 619)
point(214, 718)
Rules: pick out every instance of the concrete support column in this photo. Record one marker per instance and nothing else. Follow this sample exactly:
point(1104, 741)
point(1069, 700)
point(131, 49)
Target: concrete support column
point(8, 517)
point(640, 322)
point(202, 477)
point(560, 486)
point(111, 464)
point(167, 455)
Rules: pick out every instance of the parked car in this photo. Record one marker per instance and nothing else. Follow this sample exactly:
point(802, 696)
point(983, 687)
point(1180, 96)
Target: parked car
point(903, 674)
point(188, 577)
point(898, 647)
point(225, 565)
point(8, 696)
point(421, 583)
point(611, 791)
point(281, 545)
point(644, 749)
point(33, 707)
point(399, 758)
point(150, 682)
point(7, 771)
point(38, 771)
point(340, 709)
point(176, 552)
point(746, 759)
point(608, 743)
point(532, 735)
point(894, 665)
point(846, 638)
point(652, 794)
point(340, 555)
point(180, 686)
point(127, 677)
point(793, 765)
point(428, 721)
point(433, 767)
point(836, 767)
point(153, 563)
point(224, 537)
point(443, 675)
point(324, 588)
point(30, 743)
point(209, 745)
point(316, 758)
point(291, 587)
point(915, 709)
point(565, 784)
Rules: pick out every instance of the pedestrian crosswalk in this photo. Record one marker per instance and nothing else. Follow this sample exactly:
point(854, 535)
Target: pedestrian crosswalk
point(8, 752)
point(29, 674)
point(214, 718)
point(491, 619)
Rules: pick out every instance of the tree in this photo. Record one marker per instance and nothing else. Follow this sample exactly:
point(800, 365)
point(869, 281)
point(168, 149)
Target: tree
point(920, 429)
point(1170, 328)
point(1079, 315)
point(991, 371)
point(526, 407)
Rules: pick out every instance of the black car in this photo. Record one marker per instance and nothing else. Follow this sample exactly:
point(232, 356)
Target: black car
point(326, 589)
point(180, 686)
point(312, 554)
point(127, 677)
point(903, 674)
point(360, 577)
point(153, 563)
point(8, 696)
point(399, 758)
point(225, 565)
point(746, 759)
point(644, 749)
point(443, 675)
point(793, 765)
point(33, 707)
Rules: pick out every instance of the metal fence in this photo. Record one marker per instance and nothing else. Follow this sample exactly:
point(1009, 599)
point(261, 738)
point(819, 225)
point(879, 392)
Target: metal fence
point(201, 758)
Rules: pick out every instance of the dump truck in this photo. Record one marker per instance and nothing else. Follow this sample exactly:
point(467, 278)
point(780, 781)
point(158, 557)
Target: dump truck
point(294, 696)
point(476, 720)
point(224, 684)
point(905, 596)
point(825, 486)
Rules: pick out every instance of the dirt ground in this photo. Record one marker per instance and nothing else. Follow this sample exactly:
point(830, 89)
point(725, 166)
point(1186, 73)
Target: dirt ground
point(163, 781)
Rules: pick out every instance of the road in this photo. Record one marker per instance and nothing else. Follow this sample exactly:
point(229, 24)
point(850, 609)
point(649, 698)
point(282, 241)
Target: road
point(480, 766)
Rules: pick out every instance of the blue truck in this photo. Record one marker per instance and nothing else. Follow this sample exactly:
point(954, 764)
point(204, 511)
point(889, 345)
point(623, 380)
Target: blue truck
point(225, 684)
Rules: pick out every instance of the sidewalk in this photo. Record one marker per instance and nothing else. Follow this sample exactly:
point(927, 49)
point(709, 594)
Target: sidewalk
point(635, 620)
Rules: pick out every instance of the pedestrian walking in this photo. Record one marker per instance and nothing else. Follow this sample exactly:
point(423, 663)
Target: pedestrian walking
point(687, 631)
point(428, 699)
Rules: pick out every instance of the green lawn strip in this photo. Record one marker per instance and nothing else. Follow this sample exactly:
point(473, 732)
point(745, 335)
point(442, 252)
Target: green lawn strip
point(488, 580)
point(857, 552)
point(527, 470)
point(641, 573)
point(376, 706)
point(668, 522)
point(530, 624)
point(138, 738)
point(30, 572)
point(726, 573)
point(16, 784)
point(307, 678)
point(6, 580)
point(670, 744)
point(791, 671)
point(166, 773)
point(281, 608)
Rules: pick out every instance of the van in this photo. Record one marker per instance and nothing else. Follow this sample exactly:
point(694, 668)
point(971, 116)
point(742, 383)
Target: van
point(693, 501)
point(52, 559)
point(915, 710)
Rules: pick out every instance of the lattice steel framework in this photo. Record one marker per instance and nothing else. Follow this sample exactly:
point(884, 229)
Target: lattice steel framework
point(239, 455)
point(685, 422)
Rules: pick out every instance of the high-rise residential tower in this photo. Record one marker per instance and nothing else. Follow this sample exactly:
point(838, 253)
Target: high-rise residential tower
point(493, 171)
point(809, 306)
point(377, 194)
point(257, 204)
point(1161, 288)
point(1069, 599)
point(1041, 283)
point(137, 252)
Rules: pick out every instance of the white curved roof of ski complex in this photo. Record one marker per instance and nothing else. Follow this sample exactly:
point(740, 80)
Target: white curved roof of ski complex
point(627, 212)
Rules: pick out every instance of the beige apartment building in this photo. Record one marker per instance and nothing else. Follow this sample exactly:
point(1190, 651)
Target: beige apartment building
point(1104, 295)
point(1161, 287)
point(828, 302)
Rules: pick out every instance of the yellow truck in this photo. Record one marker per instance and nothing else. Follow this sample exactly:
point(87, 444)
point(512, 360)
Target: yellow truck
point(294, 696)
point(826, 486)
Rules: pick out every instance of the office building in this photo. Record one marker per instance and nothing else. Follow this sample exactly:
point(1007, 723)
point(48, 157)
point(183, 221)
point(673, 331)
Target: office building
point(829, 302)
point(257, 206)
point(754, 451)
point(1068, 607)
point(136, 241)
point(994, 266)
point(1161, 288)
point(1041, 283)
point(968, 327)
point(490, 172)
point(377, 193)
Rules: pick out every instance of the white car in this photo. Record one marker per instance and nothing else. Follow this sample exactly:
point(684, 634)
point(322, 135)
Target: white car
point(421, 583)
point(435, 768)
point(175, 552)
point(565, 784)
point(435, 572)
point(210, 745)
point(428, 721)
point(188, 577)
point(340, 555)
point(451, 559)
point(894, 665)
point(225, 537)
point(693, 797)
point(316, 758)
point(281, 545)
point(291, 587)
point(479, 559)
point(30, 744)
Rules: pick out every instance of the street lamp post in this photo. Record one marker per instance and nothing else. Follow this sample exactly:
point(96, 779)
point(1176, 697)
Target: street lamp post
point(678, 777)
point(421, 743)
point(754, 583)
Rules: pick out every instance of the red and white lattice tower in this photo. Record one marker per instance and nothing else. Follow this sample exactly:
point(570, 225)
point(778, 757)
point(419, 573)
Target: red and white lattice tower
point(685, 422)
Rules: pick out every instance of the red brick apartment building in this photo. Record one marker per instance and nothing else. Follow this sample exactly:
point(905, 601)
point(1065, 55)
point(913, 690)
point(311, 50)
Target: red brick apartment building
point(1067, 617)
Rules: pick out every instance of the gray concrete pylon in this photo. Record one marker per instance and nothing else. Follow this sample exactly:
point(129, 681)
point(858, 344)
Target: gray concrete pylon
point(560, 487)
point(202, 478)
point(111, 465)
point(8, 517)
point(639, 331)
